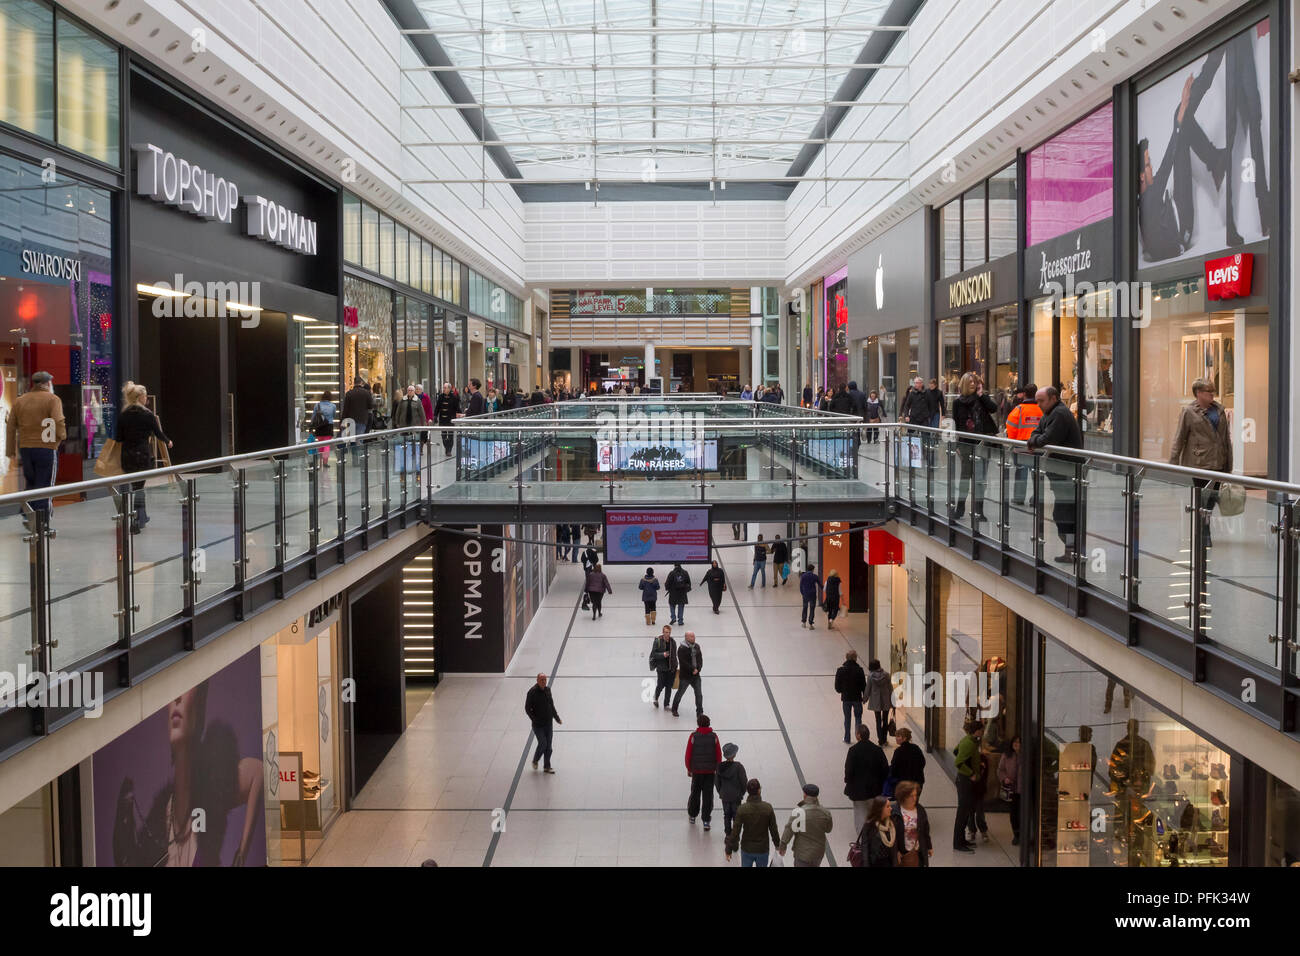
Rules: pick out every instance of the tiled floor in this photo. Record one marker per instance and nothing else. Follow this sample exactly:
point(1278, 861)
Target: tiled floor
point(458, 787)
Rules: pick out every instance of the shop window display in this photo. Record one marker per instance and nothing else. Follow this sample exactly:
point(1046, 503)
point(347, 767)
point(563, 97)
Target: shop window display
point(1122, 782)
point(367, 332)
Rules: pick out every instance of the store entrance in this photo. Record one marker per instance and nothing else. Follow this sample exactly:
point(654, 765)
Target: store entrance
point(218, 383)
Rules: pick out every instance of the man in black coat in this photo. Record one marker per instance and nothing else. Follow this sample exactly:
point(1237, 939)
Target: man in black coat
point(851, 685)
point(677, 584)
point(859, 401)
point(1059, 427)
point(663, 661)
point(780, 557)
point(445, 409)
point(865, 772)
point(716, 582)
point(357, 404)
point(908, 762)
point(690, 663)
point(540, 708)
point(477, 403)
point(918, 404)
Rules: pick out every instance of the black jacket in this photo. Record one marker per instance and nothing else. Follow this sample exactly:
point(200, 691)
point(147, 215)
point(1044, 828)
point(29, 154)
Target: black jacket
point(477, 404)
point(780, 552)
point(664, 656)
point(975, 413)
point(688, 662)
point(875, 851)
point(760, 554)
point(135, 426)
point(730, 779)
point(936, 400)
point(590, 558)
point(832, 593)
point(851, 681)
point(865, 771)
point(841, 403)
point(715, 580)
point(908, 763)
point(357, 404)
point(1057, 427)
point(445, 408)
point(917, 407)
point(924, 845)
point(677, 584)
point(540, 706)
point(859, 401)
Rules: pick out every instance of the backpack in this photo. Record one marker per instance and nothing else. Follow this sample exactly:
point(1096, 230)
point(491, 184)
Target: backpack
point(318, 422)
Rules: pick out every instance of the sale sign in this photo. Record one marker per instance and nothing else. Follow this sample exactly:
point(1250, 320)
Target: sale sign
point(1229, 277)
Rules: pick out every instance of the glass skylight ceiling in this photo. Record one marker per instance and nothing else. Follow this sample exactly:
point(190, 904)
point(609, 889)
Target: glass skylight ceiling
point(654, 84)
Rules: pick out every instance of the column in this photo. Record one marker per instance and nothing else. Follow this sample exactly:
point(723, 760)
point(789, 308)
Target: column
point(649, 361)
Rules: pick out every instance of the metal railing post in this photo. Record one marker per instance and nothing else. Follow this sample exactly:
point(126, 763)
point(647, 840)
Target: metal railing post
point(364, 448)
point(794, 473)
point(193, 560)
point(239, 487)
point(313, 502)
point(1197, 593)
point(38, 579)
point(281, 513)
point(1129, 574)
point(122, 504)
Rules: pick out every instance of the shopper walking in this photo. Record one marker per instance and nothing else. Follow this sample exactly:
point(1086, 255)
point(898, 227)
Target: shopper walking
point(908, 762)
point(597, 586)
point(810, 589)
point(703, 755)
point(878, 836)
point(575, 538)
point(1010, 777)
point(973, 413)
point(677, 584)
point(807, 828)
point(425, 402)
point(33, 433)
point(716, 582)
point(1021, 422)
point(1059, 427)
point(477, 404)
point(1203, 440)
point(780, 561)
point(938, 406)
point(832, 601)
point(358, 403)
point(663, 661)
point(445, 410)
point(322, 424)
point(967, 756)
point(690, 664)
point(737, 530)
point(879, 698)
point(760, 563)
point(911, 826)
point(137, 429)
point(873, 415)
point(649, 587)
point(590, 558)
point(753, 831)
point(918, 406)
point(562, 542)
point(851, 685)
point(539, 705)
point(865, 773)
point(730, 780)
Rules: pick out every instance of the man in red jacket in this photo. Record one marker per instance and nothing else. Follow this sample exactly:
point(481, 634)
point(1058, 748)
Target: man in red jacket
point(703, 755)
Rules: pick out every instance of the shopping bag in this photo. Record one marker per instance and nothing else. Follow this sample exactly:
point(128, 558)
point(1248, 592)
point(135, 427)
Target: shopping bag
point(109, 462)
point(1232, 499)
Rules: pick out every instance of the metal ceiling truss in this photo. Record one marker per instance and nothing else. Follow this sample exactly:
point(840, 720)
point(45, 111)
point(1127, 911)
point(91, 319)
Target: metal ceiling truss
point(728, 86)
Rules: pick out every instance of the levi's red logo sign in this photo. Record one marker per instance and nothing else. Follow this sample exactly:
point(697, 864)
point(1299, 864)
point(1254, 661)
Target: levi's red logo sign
point(1229, 277)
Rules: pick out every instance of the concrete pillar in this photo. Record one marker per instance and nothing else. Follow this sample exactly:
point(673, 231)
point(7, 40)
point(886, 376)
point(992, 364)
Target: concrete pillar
point(756, 335)
point(649, 360)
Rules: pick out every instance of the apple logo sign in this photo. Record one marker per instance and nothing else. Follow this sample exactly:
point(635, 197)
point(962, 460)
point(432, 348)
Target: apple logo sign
point(880, 281)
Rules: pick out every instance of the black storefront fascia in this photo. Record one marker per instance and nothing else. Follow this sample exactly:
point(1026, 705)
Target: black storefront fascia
point(223, 385)
point(977, 289)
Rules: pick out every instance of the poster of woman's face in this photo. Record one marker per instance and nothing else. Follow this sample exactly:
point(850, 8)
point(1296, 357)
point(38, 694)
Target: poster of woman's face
point(184, 787)
point(1204, 181)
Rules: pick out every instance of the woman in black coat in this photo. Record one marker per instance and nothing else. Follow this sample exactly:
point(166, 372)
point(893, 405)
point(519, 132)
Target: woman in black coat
point(716, 582)
point(908, 762)
point(879, 836)
point(832, 597)
point(972, 412)
point(136, 427)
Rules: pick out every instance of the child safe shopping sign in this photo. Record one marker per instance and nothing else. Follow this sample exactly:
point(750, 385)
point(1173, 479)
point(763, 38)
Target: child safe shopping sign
point(665, 535)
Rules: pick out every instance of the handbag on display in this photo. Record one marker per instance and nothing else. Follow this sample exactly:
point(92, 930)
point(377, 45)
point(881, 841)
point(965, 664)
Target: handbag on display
point(109, 462)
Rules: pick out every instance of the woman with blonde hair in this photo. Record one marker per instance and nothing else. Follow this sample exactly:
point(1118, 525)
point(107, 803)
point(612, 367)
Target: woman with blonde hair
point(973, 412)
point(136, 427)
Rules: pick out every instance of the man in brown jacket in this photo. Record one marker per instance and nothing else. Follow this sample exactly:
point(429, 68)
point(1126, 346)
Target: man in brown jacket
point(1203, 440)
point(33, 434)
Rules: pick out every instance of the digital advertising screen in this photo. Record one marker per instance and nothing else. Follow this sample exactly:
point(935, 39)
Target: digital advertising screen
point(657, 457)
point(656, 535)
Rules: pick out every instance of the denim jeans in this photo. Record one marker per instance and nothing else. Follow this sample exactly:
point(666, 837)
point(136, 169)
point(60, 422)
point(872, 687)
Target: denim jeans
point(752, 859)
point(809, 608)
point(676, 613)
point(760, 567)
point(544, 733)
point(853, 707)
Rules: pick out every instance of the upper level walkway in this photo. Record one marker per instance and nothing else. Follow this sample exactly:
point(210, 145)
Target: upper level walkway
point(1214, 599)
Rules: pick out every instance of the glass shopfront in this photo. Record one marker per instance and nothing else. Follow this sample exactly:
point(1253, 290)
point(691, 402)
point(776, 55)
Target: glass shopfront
point(28, 832)
point(300, 705)
point(367, 332)
point(1121, 782)
point(889, 364)
point(56, 292)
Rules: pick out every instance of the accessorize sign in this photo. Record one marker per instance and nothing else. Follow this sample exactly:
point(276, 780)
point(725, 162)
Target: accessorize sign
point(175, 181)
point(1229, 277)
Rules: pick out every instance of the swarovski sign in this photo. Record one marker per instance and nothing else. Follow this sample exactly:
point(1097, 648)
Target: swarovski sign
point(174, 181)
point(55, 267)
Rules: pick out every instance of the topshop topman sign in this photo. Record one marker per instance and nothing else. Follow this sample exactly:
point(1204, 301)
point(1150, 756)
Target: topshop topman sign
point(166, 178)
